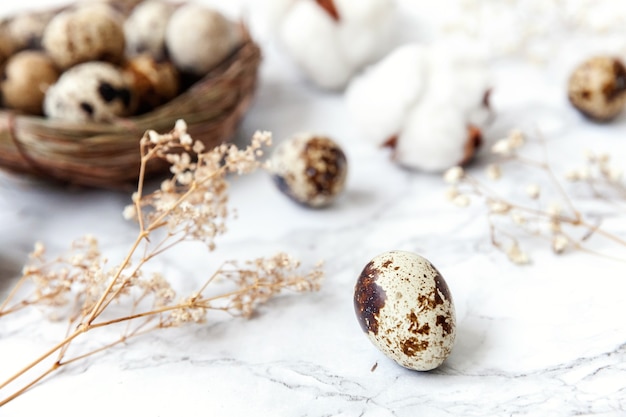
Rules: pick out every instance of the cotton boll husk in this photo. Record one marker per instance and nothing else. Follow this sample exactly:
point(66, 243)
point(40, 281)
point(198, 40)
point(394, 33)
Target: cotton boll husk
point(365, 29)
point(379, 99)
point(310, 36)
point(433, 138)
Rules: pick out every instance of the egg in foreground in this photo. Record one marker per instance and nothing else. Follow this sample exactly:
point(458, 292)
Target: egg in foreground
point(404, 305)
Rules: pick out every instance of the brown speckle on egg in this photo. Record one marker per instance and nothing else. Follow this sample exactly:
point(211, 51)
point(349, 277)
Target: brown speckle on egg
point(369, 298)
point(597, 88)
point(417, 327)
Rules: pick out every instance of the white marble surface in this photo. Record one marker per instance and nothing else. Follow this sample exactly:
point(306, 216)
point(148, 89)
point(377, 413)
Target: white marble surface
point(548, 339)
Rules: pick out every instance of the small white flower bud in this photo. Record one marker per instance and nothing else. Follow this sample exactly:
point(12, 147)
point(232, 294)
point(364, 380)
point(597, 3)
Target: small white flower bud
point(453, 175)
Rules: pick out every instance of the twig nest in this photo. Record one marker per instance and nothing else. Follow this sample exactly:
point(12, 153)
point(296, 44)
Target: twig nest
point(91, 32)
point(92, 91)
point(145, 28)
point(27, 76)
point(310, 169)
point(404, 305)
point(154, 82)
point(429, 103)
point(198, 38)
point(597, 88)
point(330, 40)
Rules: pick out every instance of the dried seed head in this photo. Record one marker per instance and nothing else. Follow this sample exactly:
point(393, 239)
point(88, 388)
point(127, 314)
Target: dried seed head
point(516, 255)
point(533, 191)
point(494, 172)
point(560, 243)
point(453, 175)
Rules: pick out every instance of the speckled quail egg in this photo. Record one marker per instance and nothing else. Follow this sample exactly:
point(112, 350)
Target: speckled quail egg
point(93, 91)
point(310, 169)
point(199, 38)
point(26, 29)
point(90, 32)
point(597, 88)
point(154, 82)
point(123, 6)
point(6, 47)
point(145, 28)
point(404, 305)
point(27, 75)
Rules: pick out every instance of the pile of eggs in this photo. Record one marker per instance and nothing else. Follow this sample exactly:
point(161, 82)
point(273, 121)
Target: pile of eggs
point(91, 62)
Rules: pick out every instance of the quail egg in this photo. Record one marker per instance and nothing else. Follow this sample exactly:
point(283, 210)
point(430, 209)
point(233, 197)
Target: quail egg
point(154, 82)
point(92, 91)
point(404, 305)
point(198, 38)
point(145, 28)
point(26, 77)
point(91, 32)
point(310, 169)
point(597, 88)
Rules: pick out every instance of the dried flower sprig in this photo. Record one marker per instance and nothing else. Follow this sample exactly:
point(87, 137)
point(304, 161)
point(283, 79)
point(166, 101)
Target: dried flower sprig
point(189, 206)
point(549, 213)
point(603, 179)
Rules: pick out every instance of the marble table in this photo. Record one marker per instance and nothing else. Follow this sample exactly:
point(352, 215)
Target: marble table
point(544, 339)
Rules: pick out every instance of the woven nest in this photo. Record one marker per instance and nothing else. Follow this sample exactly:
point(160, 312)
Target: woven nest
point(107, 155)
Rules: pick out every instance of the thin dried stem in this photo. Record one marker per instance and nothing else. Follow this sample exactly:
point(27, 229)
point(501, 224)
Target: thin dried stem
point(548, 222)
point(192, 206)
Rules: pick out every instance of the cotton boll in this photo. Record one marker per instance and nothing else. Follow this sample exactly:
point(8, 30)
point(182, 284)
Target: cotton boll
point(309, 35)
point(363, 46)
point(270, 14)
point(331, 40)
point(396, 83)
point(433, 116)
point(433, 139)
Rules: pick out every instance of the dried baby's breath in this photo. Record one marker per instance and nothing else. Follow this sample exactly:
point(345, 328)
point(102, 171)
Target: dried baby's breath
point(601, 176)
point(191, 205)
point(549, 211)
